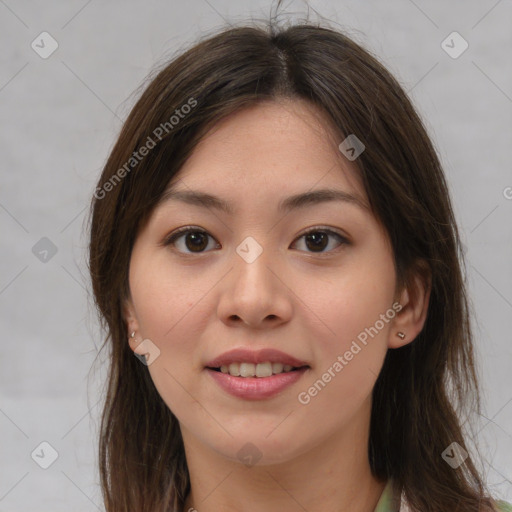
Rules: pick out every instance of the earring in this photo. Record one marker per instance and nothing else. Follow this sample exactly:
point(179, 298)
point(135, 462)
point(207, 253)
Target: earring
point(401, 335)
point(132, 335)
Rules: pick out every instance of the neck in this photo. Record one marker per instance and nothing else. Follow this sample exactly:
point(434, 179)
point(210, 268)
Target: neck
point(333, 476)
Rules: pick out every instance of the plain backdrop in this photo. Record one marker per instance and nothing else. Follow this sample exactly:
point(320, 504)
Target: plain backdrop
point(60, 116)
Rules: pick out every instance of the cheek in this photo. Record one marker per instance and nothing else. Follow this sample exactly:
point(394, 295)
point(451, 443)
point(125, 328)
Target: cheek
point(164, 301)
point(347, 307)
point(350, 342)
point(169, 312)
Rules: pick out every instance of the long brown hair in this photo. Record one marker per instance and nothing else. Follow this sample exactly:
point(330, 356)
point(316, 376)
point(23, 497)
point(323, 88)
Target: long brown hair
point(424, 388)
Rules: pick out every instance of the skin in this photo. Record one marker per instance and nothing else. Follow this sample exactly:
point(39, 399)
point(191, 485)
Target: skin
point(312, 305)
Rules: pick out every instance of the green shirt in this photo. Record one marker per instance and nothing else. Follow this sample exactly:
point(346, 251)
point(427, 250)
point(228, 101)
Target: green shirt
point(389, 503)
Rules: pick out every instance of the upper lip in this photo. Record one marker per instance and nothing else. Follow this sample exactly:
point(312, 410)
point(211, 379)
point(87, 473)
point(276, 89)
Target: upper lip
point(244, 355)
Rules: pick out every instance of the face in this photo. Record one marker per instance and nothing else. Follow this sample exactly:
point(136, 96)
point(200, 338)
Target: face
point(313, 279)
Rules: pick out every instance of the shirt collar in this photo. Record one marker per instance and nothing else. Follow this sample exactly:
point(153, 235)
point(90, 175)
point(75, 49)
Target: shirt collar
point(388, 502)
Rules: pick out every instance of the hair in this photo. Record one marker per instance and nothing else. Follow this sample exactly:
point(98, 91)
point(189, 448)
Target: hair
point(423, 388)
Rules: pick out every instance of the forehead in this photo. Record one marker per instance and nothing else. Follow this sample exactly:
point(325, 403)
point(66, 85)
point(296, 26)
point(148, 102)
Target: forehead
point(271, 149)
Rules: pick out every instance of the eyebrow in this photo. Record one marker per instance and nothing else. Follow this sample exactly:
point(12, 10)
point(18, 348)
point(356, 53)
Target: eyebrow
point(302, 200)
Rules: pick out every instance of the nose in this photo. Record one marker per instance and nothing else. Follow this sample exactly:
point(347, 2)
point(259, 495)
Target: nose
point(254, 293)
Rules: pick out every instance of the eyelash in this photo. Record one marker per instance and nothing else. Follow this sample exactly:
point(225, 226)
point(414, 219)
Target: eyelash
point(171, 239)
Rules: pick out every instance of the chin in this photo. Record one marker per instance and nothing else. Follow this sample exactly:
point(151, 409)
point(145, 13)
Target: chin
point(257, 450)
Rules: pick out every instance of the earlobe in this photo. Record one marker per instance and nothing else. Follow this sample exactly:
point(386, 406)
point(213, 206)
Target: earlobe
point(133, 342)
point(409, 321)
point(130, 319)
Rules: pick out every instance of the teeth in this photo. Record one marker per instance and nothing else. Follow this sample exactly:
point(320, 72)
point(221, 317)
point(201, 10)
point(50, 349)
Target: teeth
point(247, 370)
point(255, 370)
point(264, 370)
point(234, 369)
point(277, 367)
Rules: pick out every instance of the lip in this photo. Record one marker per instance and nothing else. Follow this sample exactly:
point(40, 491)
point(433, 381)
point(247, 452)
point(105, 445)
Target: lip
point(256, 388)
point(244, 355)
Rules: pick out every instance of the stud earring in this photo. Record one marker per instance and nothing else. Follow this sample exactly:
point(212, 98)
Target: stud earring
point(132, 335)
point(401, 335)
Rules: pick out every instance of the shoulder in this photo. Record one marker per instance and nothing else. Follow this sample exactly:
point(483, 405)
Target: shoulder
point(503, 506)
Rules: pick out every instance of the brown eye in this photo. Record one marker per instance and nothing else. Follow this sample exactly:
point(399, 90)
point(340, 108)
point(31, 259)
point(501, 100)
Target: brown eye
point(188, 240)
point(316, 240)
point(196, 241)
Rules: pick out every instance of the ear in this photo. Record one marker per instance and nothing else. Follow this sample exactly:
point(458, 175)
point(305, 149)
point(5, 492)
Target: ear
point(414, 299)
point(132, 323)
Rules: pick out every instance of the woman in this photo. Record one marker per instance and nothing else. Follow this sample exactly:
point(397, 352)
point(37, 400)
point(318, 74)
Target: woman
point(272, 236)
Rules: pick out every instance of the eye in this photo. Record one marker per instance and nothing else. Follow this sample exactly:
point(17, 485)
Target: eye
point(195, 240)
point(318, 239)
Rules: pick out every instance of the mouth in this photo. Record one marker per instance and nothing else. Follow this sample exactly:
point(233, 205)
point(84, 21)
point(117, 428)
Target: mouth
point(260, 370)
point(249, 363)
point(248, 382)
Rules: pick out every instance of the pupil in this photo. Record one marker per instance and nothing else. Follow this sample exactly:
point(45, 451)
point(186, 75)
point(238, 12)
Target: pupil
point(319, 239)
point(198, 241)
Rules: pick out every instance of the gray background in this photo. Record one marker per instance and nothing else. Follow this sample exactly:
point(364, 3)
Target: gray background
point(59, 119)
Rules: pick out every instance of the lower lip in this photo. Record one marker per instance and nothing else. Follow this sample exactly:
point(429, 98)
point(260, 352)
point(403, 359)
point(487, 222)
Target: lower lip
point(256, 388)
